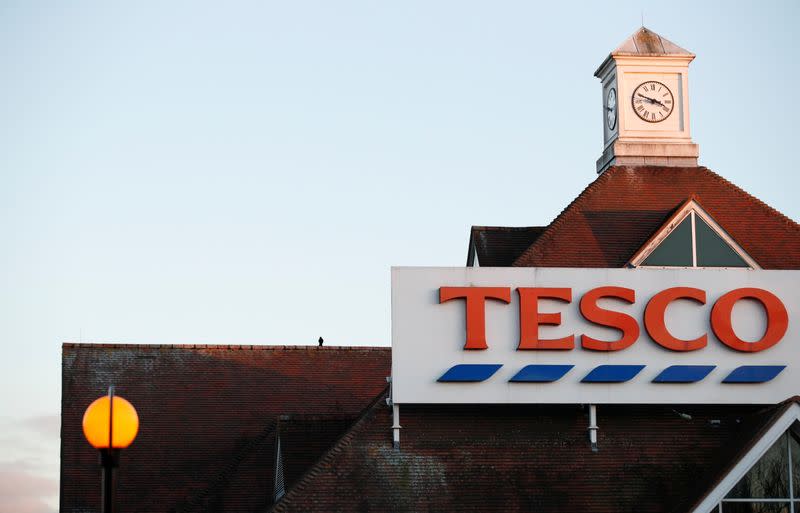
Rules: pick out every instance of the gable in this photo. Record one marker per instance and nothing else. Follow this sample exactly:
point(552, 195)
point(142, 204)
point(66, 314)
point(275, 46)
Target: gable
point(692, 238)
point(746, 478)
point(619, 212)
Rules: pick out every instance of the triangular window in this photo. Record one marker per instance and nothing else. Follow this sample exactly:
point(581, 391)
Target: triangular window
point(772, 484)
point(280, 484)
point(766, 477)
point(691, 238)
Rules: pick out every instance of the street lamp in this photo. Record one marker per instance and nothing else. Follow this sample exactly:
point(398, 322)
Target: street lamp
point(110, 423)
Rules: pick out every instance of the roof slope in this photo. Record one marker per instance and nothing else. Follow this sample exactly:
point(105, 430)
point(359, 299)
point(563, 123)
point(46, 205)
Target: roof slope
point(526, 458)
point(500, 246)
point(618, 212)
point(209, 417)
point(646, 42)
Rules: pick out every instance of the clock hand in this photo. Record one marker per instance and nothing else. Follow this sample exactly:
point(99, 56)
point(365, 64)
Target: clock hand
point(651, 100)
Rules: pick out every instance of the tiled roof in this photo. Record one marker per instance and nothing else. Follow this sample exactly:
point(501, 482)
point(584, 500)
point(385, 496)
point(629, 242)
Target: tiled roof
point(520, 458)
point(618, 212)
point(500, 246)
point(209, 417)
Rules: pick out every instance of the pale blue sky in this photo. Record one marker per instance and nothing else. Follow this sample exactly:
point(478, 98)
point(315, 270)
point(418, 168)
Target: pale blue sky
point(247, 172)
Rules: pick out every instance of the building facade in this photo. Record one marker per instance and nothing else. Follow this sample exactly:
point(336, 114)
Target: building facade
point(283, 428)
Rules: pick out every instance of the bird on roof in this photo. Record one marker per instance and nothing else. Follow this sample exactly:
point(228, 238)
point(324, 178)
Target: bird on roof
point(320, 341)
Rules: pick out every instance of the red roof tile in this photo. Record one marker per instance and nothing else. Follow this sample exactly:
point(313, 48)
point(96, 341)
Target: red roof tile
point(617, 213)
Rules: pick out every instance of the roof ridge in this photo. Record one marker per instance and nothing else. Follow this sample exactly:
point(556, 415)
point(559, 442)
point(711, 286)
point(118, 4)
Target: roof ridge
point(232, 347)
point(547, 234)
point(480, 227)
point(342, 443)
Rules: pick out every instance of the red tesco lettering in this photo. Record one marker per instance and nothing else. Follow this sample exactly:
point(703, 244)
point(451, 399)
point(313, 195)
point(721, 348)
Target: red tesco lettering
point(531, 318)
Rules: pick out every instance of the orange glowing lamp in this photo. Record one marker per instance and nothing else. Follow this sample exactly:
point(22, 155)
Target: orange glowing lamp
point(110, 422)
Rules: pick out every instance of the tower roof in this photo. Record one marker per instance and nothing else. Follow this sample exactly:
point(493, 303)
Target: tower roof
point(646, 42)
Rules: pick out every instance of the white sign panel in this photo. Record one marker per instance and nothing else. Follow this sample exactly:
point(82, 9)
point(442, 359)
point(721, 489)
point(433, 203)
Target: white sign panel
point(547, 335)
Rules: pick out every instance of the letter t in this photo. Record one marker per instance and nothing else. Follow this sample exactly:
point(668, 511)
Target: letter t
point(476, 312)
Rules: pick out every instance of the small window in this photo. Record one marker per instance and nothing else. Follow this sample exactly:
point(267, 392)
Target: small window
point(691, 238)
point(770, 486)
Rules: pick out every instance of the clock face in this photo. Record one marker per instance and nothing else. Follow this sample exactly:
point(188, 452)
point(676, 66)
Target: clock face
point(652, 101)
point(611, 108)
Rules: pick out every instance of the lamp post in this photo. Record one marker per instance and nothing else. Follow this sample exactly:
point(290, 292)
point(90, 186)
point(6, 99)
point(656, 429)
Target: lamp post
point(110, 423)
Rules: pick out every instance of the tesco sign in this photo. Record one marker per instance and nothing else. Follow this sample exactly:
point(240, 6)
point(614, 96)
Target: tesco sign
point(530, 317)
point(547, 335)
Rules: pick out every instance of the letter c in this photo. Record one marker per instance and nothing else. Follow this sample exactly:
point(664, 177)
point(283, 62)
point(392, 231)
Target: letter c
point(656, 325)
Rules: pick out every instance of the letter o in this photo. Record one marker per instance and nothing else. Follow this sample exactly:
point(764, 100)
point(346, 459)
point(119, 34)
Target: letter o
point(777, 319)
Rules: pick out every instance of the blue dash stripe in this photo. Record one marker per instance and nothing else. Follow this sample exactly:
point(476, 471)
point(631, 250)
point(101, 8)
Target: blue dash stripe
point(541, 373)
point(753, 373)
point(612, 373)
point(684, 373)
point(467, 372)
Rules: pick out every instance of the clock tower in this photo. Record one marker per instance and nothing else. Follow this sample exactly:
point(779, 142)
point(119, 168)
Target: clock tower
point(646, 104)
